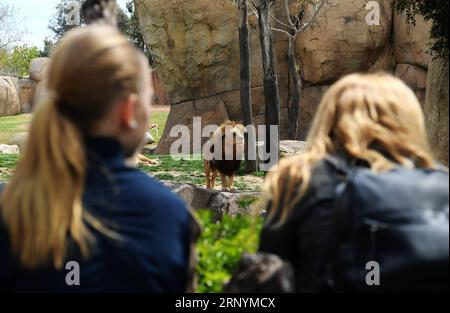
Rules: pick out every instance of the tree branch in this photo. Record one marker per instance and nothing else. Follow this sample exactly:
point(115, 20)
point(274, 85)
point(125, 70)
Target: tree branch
point(281, 23)
point(288, 14)
point(314, 17)
point(282, 31)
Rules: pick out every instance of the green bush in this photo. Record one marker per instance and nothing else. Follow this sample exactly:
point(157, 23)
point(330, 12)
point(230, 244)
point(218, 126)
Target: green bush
point(221, 246)
point(17, 62)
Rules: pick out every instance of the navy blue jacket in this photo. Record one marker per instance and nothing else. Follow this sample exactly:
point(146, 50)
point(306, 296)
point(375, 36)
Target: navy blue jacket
point(153, 225)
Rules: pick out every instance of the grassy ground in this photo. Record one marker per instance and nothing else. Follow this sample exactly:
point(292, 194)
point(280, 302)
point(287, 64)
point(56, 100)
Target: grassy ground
point(159, 118)
point(181, 171)
point(191, 171)
point(7, 165)
point(10, 125)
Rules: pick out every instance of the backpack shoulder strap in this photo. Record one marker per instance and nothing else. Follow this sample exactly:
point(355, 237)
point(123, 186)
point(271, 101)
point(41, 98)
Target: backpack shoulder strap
point(344, 168)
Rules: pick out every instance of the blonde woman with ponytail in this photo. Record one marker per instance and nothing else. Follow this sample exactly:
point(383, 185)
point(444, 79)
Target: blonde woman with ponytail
point(372, 121)
point(72, 198)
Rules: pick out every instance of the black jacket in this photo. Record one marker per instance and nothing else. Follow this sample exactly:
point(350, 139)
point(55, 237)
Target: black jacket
point(306, 237)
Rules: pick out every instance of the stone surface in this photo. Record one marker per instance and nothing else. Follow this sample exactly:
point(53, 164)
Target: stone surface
point(212, 111)
point(161, 97)
point(415, 77)
point(26, 94)
point(311, 97)
point(9, 149)
point(39, 94)
point(436, 108)
point(19, 139)
point(38, 67)
point(196, 45)
point(232, 102)
point(385, 62)
point(196, 49)
point(341, 42)
point(9, 98)
point(219, 202)
point(291, 147)
point(411, 42)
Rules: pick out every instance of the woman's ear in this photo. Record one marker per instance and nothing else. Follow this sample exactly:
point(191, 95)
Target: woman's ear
point(127, 112)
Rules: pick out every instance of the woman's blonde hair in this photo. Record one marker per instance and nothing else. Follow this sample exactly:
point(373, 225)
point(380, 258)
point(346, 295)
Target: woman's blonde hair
point(375, 118)
point(91, 69)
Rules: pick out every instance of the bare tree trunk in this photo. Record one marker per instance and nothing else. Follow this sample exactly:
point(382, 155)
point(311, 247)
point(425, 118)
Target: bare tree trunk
point(295, 89)
point(271, 93)
point(246, 104)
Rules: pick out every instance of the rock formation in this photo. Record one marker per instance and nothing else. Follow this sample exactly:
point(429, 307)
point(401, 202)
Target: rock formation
point(436, 108)
point(9, 97)
point(195, 44)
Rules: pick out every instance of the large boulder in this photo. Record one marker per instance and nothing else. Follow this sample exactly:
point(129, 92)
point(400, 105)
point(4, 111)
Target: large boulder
point(219, 202)
point(196, 45)
point(9, 98)
point(39, 94)
point(411, 41)
point(19, 140)
point(8, 149)
point(26, 94)
point(310, 100)
point(436, 108)
point(341, 41)
point(292, 147)
point(415, 77)
point(212, 111)
point(38, 68)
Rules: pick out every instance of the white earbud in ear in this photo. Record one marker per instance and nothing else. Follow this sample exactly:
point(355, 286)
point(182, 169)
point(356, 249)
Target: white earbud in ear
point(133, 124)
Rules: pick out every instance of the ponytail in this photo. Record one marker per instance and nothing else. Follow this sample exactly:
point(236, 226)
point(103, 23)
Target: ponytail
point(42, 205)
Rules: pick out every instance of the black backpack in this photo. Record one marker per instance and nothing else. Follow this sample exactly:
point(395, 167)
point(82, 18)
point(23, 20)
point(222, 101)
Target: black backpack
point(392, 230)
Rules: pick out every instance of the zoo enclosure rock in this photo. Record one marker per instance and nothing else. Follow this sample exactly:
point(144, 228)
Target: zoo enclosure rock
point(38, 68)
point(219, 202)
point(19, 140)
point(9, 149)
point(9, 97)
point(26, 90)
point(341, 42)
point(196, 45)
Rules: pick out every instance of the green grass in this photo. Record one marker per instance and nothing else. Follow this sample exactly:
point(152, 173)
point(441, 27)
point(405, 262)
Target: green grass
point(10, 125)
point(185, 170)
point(190, 170)
point(159, 118)
point(178, 171)
point(7, 165)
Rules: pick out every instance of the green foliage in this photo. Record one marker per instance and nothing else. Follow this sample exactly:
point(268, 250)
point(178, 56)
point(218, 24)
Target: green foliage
point(48, 46)
point(221, 246)
point(435, 10)
point(17, 62)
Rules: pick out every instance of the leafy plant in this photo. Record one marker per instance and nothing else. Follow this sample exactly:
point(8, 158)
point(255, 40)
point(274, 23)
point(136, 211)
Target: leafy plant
point(221, 246)
point(17, 62)
point(437, 12)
